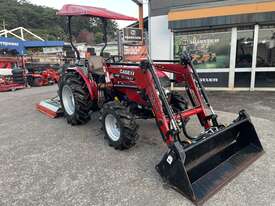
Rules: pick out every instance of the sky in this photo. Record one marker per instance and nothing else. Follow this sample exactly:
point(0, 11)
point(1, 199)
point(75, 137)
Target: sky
point(126, 7)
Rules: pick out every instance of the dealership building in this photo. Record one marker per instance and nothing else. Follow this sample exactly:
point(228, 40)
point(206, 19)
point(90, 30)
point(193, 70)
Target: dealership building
point(232, 42)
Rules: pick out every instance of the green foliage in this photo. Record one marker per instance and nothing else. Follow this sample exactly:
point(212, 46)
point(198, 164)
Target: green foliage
point(44, 22)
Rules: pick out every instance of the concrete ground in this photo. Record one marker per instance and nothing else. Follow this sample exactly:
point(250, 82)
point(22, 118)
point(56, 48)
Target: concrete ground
point(47, 162)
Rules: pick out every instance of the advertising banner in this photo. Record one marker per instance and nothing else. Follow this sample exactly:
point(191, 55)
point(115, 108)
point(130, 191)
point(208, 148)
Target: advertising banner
point(132, 35)
point(135, 53)
point(212, 79)
point(12, 44)
point(215, 79)
point(52, 50)
point(208, 50)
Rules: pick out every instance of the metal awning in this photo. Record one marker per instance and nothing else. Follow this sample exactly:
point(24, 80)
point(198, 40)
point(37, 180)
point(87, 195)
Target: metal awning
point(32, 44)
point(21, 46)
point(222, 15)
point(77, 10)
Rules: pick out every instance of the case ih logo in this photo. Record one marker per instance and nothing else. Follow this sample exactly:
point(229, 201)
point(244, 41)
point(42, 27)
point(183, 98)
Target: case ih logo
point(132, 35)
point(122, 71)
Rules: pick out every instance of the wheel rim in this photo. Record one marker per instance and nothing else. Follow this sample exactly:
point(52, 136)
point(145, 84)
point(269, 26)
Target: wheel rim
point(112, 127)
point(68, 100)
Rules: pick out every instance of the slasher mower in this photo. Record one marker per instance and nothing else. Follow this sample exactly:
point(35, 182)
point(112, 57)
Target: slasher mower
point(195, 166)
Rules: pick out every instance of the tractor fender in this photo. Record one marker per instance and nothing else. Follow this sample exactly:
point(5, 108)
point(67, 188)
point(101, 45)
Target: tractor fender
point(161, 74)
point(91, 85)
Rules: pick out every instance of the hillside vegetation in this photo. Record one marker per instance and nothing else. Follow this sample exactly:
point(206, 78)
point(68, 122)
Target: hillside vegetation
point(44, 22)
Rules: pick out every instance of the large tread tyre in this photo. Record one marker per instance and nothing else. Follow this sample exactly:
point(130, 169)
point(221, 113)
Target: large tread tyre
point(30, 81)
point(81, 98)
point(178, 102)
point(38, 82)
point(124, 122)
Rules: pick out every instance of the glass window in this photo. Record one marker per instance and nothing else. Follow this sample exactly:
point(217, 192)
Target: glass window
point(244, 49)
point(208, 50)
point(265, 79)
point(266, 48)
point(242, 79)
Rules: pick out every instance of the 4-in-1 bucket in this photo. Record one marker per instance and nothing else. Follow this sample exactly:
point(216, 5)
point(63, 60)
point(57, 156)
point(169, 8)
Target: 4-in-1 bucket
point(200, 170)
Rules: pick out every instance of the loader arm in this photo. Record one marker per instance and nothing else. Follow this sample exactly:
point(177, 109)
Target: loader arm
point(157, 99)
point(166, 119)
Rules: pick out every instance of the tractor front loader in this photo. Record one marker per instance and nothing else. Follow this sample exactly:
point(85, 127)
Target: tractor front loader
point(123, 92)
point(198, 167)
point(195, 166)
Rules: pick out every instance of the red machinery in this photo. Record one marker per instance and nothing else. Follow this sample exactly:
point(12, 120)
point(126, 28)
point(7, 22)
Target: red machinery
point(197, 166)
point(12, 76)
point(42, 75)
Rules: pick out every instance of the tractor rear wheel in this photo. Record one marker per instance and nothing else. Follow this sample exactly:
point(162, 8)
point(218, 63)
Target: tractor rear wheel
point(75, 99)
point(119, 126)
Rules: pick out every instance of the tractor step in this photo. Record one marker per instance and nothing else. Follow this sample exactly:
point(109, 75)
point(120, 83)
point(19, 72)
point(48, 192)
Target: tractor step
point(50, 107)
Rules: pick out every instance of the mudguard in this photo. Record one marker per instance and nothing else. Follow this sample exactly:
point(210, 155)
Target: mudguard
point(91, 84)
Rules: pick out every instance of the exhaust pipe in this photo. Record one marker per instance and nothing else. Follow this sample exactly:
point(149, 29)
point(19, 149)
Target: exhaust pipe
point(201, 169)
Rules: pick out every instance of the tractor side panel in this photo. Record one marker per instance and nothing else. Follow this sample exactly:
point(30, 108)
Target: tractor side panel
point(125, 80)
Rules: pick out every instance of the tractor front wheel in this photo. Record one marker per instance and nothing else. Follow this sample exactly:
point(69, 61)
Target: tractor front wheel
point(119, 126)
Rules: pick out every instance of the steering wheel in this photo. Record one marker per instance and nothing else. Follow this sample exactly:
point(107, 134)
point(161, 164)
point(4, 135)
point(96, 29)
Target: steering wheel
point(114, 59)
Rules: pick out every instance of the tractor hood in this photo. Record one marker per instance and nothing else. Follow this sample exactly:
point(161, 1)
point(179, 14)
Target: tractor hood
point(77, 10)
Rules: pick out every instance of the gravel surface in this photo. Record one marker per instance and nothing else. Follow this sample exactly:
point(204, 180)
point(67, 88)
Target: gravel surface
point(48, 162)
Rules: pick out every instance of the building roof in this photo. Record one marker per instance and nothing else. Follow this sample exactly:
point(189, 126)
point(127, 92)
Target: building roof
point(221, 16)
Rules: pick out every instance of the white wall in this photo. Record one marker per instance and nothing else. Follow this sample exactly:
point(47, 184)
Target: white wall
point(161, 38)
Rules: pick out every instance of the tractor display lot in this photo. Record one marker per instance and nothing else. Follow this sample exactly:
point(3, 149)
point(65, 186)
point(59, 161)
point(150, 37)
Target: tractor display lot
point(48, 162)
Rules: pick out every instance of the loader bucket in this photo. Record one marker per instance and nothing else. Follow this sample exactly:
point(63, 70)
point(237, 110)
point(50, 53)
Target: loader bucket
point(201, 169)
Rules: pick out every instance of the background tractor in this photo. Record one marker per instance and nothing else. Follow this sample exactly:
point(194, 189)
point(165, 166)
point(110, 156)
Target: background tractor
point(42, 74)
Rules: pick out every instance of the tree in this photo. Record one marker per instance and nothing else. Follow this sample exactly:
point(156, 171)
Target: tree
point(85, 36)
point(44, 22)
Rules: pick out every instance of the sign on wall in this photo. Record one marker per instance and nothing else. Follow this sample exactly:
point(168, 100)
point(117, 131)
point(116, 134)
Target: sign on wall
point(132, 35)
point(208, 50)
point(135, 53)
point(52, 50)
point(11, 44)
point(212, 79)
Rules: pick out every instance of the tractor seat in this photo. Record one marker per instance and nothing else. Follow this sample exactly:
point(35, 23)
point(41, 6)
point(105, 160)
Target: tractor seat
point(96, 64)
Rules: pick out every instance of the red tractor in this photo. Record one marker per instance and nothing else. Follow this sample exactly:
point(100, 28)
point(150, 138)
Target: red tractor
point(42, 74)
point(197, 166)
point(12, 74)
